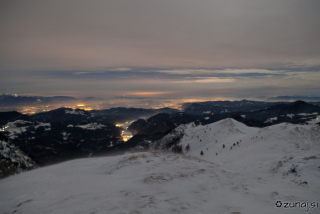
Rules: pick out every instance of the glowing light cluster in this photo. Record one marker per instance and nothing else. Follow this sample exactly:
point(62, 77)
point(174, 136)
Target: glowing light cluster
point(125, 138)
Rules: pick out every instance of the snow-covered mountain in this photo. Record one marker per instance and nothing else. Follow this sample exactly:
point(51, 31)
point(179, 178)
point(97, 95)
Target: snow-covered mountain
point(277, 149)
point(12, 159)
point(241, 170)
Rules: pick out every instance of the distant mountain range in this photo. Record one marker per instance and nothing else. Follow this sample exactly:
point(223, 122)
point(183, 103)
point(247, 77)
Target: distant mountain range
point(217, 107)
point(256, 114)
point(65, 133)
point(11, 100)
point(121, 114)
point(296, 97)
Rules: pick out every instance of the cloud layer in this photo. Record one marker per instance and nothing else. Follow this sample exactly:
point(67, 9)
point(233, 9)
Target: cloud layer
point(66, 46)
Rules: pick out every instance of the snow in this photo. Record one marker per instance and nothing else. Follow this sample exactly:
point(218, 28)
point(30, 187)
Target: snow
point(74, 112)
point(314, 120)
point(16, 128)
point(306, 114)
point(207, 118)
point(65, 135)
point(271, 119)
point(134, 183)
point(279, 162)
point(46, 125)
point(8, 150)
point(290, 115)
point(13, 160)
point(92, 126)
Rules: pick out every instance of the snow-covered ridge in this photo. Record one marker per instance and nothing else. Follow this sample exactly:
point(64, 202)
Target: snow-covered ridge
point(246, 149)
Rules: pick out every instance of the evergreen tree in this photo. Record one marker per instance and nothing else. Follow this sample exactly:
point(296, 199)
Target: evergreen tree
point(188, 147)
point(201, 153)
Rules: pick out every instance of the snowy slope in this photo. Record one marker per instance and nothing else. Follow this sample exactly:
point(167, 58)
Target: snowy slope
point(231, 144)
point(280, 162)
point(248, 148)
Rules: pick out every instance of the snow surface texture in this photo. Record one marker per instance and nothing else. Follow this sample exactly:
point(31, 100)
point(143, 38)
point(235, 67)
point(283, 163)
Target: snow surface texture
point(13, 160)
point(279, 162)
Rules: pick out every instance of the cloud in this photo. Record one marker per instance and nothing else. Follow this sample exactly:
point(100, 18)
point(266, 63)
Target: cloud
point(97, 35)
point(87, 72)
point(81, 72)
point(119, 69)
point(221, 71)
point(115, 47)
point(309, 63)
point(150, 93)
point(205, 80)
point(101, 72)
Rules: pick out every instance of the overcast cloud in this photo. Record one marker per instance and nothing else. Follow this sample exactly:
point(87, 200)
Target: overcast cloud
point(272, 46)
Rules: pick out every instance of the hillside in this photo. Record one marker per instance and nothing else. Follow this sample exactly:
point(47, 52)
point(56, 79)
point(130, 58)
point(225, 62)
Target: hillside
point(264, 165)
point(233, 144)
point(12, 159)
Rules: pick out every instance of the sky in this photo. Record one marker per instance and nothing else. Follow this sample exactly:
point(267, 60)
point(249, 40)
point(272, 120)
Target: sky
point(170, 49)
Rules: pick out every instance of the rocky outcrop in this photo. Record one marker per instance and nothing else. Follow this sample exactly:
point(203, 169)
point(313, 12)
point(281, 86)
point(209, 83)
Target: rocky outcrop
point(12, 159)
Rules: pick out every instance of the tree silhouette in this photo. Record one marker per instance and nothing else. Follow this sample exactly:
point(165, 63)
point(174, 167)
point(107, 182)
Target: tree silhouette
point(201, 153)
point(188, 147)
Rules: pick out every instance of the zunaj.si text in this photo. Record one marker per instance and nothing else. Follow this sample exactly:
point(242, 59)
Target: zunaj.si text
point(298, 204)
